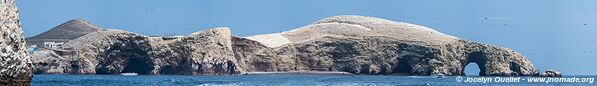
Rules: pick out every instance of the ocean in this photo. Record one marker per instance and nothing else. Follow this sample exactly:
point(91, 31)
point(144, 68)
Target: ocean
point(293, 80)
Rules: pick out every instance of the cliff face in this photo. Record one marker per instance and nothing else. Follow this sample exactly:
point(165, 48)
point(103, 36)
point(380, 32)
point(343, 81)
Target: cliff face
point(113, 52)
point(201, 53)
point(15, 66)
point(355, 44)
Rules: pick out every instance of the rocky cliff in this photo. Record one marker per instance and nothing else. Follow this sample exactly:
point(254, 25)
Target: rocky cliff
point(15, 66)
point(114, 51)
point(354, 44)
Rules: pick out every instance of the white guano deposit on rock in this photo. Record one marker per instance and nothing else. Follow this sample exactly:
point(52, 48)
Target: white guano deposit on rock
point(15, 65)
point(270, 40)
point(356, 26)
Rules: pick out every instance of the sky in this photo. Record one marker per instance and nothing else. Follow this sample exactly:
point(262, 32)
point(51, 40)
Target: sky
point(552, 34)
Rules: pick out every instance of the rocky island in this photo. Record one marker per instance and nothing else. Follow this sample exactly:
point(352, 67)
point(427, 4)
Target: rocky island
point(345, 44)
point(348, 43)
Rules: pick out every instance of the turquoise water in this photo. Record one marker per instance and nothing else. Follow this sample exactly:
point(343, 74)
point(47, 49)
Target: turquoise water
point(268, 80)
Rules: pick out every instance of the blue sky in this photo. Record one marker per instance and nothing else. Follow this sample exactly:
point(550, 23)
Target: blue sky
point(552, 34)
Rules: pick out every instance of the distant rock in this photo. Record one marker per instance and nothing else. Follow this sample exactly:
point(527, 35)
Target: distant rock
point(15, 65)
point(354, 44)
point(552, 73)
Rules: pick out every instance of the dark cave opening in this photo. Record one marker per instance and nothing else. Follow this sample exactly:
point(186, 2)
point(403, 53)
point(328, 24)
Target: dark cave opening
point(404, 65)
point(138, 65)
point(515, 68)
point(184, 66)
point(231, 67)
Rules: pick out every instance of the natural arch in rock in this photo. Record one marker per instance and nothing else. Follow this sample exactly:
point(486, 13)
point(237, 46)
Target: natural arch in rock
point(471, 69)
point(477, 58)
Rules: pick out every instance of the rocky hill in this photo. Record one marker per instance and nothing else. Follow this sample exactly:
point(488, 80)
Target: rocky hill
point(354, 44)
point(15, 65)
point(64, 32)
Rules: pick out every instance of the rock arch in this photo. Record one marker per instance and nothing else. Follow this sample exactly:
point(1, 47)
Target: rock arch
point(497, 61)
point(471, 69)
point(479, 59)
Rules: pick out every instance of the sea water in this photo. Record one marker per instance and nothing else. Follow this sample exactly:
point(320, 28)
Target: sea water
point(283, 80)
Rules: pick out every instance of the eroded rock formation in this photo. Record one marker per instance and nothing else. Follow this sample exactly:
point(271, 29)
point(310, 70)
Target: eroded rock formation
point(365, 45)
point(15, 65)
point(114, 51)
point(355, 44)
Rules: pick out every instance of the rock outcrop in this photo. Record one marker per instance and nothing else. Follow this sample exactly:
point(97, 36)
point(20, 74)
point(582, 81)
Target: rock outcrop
point(114, 51)
point(354, 44)
point(15, 65)
point(365, 45)
point(552, 73)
